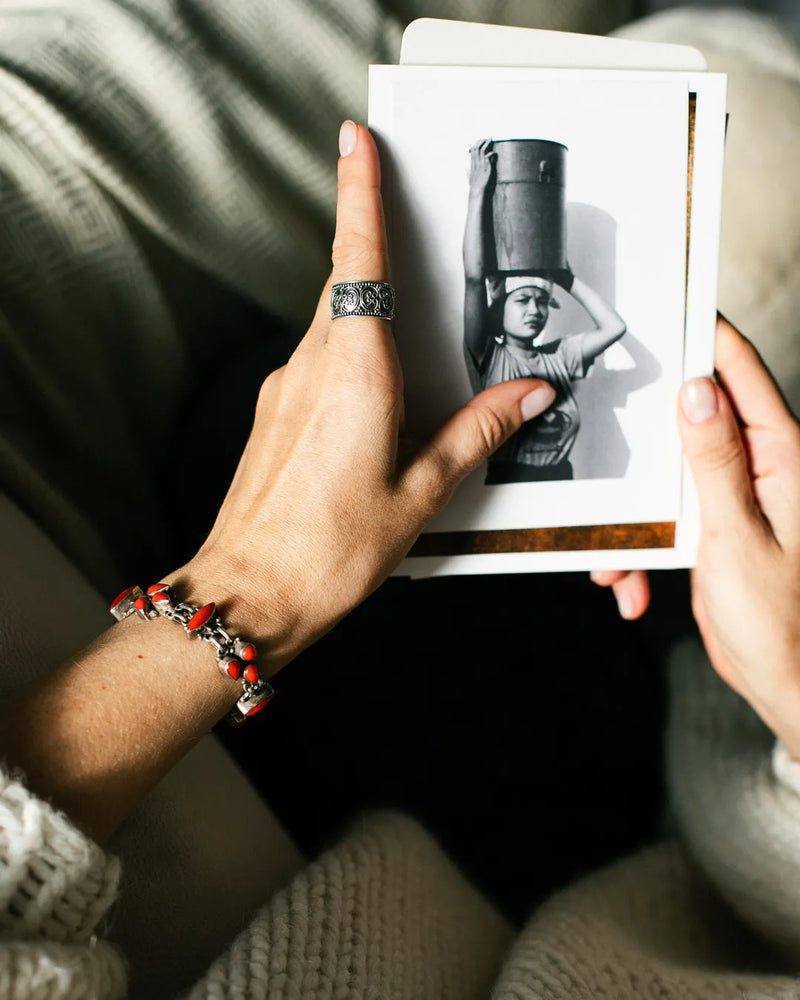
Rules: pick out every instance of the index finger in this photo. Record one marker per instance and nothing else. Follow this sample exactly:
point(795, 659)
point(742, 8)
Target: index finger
point(359, 246)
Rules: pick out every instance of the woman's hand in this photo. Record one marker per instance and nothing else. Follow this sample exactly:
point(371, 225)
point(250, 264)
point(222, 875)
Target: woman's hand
point(326, 501)
point(323, 505)
point(631, 589)
point(743, 447)
point(481, 166)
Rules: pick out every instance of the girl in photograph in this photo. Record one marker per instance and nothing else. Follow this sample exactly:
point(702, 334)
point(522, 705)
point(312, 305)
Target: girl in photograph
point(504, 315)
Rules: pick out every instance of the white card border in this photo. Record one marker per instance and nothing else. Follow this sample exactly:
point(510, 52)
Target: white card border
point(710, 118)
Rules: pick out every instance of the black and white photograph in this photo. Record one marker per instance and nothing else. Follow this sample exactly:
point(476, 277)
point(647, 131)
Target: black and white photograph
point(543, 234)
point(515, 255)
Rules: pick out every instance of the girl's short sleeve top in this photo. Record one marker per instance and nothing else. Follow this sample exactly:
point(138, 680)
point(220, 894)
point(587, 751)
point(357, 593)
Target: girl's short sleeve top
point(548, 439)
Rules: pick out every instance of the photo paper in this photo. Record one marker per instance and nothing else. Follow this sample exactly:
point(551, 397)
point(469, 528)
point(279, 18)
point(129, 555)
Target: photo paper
point(612, 219)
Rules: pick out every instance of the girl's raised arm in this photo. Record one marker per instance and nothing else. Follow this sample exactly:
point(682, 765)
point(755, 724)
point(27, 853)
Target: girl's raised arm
point(610, 325)
point(478, 256)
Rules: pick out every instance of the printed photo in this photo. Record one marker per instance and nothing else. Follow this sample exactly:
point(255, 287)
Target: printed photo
point(537, 225)
point(515, 255)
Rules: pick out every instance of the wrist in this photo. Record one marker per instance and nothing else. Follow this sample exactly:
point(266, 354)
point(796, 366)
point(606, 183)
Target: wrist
point(178, 674)
point(250, 605)
point(96, 734)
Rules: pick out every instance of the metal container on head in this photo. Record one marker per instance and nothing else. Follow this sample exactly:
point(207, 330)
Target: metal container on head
point(528, 207)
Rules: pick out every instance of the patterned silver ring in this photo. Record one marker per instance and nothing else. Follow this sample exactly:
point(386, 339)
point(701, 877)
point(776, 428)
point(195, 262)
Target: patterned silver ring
point(362, 298)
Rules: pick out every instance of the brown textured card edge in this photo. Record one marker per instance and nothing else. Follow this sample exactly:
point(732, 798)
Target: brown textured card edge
point(593, 537)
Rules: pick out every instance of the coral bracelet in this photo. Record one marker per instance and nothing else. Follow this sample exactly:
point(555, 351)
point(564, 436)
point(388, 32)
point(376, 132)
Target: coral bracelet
point(235, 656)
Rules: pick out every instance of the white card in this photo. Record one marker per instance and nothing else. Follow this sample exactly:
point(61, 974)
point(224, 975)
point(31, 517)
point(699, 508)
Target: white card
point(642, 492)
point(434, 42)
point(626, 237)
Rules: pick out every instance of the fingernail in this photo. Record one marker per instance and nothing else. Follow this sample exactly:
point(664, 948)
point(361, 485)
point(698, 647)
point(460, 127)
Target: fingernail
point(597, 575)
point(536, 402)
point(348, 136)
point(698, 400)
point(625, 604)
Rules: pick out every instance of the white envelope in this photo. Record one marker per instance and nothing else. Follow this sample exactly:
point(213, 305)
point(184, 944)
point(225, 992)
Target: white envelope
point(431, 42)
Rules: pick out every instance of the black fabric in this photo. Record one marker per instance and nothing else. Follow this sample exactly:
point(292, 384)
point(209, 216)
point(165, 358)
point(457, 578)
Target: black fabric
point(516, 716)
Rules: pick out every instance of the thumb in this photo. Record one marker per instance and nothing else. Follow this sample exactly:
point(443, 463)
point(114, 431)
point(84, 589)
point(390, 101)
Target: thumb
point(478, 429)
point(716, 454)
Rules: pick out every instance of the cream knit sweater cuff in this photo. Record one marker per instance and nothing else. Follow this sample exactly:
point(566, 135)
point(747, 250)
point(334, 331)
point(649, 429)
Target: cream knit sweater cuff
point(55, 883)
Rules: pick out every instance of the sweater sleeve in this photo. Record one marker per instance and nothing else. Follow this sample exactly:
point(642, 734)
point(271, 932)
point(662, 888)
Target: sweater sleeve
point(735, 799)
point(384, 913)
point(56, 887)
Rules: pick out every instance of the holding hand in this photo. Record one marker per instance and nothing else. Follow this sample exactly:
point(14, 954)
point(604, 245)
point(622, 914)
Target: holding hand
point(325, 502)
point(743, 447)
point(323, 505)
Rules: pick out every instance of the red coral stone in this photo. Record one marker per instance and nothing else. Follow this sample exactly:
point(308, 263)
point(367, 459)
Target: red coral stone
point(250, 673)
point(200, 617)
point(119, 598)
point(157, 588)
point(140, 603)
point(257, 709)
point(249, 652)
point(159, 596)
point(233, 669)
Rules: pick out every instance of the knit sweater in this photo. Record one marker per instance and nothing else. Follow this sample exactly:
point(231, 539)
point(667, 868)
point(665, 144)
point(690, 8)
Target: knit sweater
point(161, 162)
point(384, 914)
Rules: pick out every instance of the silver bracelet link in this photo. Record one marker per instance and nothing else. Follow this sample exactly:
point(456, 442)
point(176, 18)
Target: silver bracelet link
point(235, 656)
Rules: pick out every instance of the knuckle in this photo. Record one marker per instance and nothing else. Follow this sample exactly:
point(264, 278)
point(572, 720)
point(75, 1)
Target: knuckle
point(722, 454)
point(430, 487)
point(356, 251)
point(490, 430)
point(362, 372)
point(783, 457)
point(269, 389)
point(436, 491)
point(353, 184)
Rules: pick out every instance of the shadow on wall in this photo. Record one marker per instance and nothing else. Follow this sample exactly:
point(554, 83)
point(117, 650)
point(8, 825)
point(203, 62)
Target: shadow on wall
point(601, 451)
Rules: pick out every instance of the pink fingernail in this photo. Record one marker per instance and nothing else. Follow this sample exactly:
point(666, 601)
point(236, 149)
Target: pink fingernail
point(348, 137)
point(699, 400)
point(625, 604)
point(536, 402)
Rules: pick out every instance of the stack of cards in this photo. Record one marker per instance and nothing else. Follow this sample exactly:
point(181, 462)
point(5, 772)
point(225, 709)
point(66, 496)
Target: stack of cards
point(514, 160)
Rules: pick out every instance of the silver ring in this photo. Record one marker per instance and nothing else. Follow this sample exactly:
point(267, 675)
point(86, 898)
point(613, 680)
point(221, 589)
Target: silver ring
point(362, 298)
